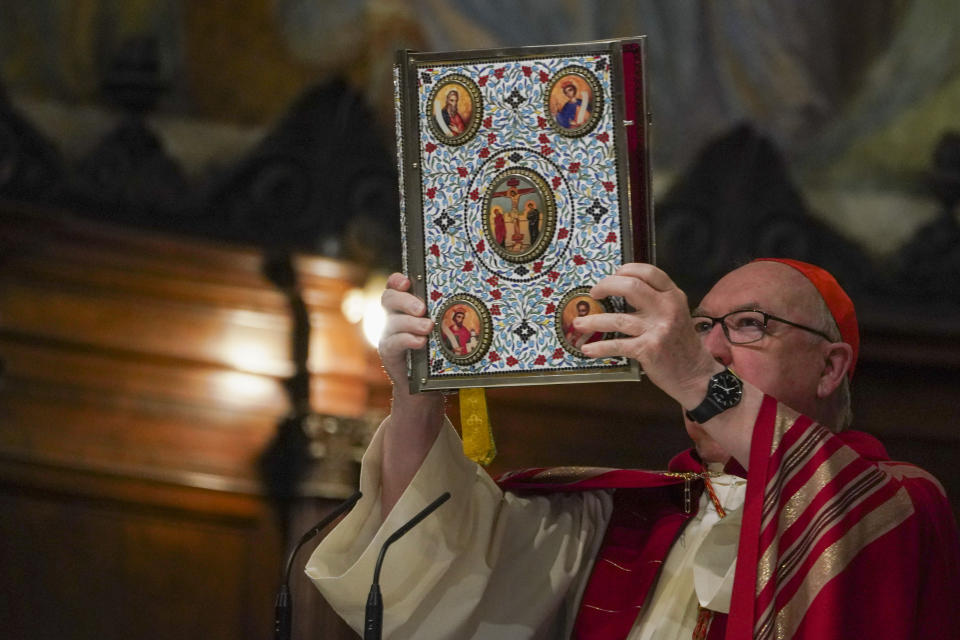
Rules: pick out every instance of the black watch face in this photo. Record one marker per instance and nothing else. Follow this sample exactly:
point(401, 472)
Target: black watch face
point(726, 389)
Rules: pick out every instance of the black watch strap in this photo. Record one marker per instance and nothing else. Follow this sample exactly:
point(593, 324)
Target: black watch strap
point(723, 392)
point(704, 411)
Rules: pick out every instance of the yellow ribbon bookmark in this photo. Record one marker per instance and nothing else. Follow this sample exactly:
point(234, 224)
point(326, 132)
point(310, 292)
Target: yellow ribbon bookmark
point(475, 428)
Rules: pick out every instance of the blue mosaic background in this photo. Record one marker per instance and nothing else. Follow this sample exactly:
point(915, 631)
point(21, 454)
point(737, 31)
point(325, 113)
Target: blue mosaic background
point(515, 132)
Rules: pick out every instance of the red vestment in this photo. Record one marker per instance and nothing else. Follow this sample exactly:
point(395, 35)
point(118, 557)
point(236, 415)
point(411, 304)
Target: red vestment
point(572, 335)
point(463, 338)
point(456, 123)
point(499, 228)
point(837, 542)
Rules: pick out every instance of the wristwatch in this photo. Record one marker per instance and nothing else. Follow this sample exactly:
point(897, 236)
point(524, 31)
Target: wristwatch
point(723, 392)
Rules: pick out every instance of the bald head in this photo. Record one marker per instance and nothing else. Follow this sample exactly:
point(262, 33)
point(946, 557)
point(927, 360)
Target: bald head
point(778, 289)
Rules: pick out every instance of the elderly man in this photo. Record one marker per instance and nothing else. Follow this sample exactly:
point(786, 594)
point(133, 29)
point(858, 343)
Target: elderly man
point(777, 524)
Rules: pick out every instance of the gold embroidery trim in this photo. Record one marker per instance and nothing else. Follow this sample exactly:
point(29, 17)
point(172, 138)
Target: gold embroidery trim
point(833, 560)
point(622, 568)
point(590, 606)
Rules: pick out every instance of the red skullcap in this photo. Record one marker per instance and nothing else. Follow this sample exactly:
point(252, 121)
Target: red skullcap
point(839, 303)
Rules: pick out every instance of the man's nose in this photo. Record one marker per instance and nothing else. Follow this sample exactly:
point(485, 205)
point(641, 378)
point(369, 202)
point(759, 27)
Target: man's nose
point(717, 344)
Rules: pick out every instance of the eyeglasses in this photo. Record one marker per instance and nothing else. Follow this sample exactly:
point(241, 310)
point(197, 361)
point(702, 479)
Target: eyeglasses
point(744, 327)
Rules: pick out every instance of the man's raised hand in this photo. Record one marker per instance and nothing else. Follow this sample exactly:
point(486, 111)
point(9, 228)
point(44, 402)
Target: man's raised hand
point(406, 326)
point(658, 333)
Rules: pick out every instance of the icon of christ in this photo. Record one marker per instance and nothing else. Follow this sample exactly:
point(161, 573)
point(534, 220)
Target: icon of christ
point(517, 238)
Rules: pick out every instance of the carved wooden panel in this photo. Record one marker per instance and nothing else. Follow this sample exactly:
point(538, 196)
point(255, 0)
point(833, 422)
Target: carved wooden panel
point(144, 377)
point(89, 555)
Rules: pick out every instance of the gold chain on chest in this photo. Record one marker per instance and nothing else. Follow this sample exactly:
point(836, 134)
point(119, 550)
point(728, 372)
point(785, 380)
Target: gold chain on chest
point(688, 477)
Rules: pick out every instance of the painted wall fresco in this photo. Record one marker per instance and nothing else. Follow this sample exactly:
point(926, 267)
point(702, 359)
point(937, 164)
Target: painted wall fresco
point(856, 100)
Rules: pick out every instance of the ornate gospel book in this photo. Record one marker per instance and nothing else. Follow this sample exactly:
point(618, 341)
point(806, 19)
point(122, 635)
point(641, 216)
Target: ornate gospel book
point(525, 179)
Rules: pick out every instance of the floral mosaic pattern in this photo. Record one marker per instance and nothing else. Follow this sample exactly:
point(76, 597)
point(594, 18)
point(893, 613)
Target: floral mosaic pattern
point(516, 133)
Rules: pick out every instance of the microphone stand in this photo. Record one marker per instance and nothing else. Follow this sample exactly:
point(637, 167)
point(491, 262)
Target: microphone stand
point(283, 607)
point(373, 623)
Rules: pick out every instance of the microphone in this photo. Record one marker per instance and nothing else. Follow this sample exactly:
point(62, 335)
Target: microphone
point(283, 608)
point(373, 623)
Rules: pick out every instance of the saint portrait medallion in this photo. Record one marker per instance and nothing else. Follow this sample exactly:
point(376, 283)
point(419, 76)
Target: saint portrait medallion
point(577, 302)
point(464, 329)
point(455, 109)
point(574, 101)
point(519, 215)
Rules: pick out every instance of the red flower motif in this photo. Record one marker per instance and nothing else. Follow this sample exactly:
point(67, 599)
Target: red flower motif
point(498, 72)
point(526, 71)
point(475, 194)
point(493, 280)
point(541, 122)
point(511, 361)
point(488, 122)
point(495, 294)
point(435, 295)
point(435, 250)
point(491, 138)
point(462, 171)
point(556, 181)
point(540, 360)
point(432, 192)
point(537, 266)
point(553, 275)
point(544, 76)
point(430, 147)
point(494, 309)
point(482, 80)
point(557, 354)
point(544, 138)
point(603, 137)
point(574, 167)
point(499, 163)
point(578, 259)
point(608, 186)
point(563, 233)
point(551, 307)
point(493, 357)
point(611, 237)
point(481, 246)
point(546, 150)
point(468, 265)
point(547, 292)
point(484, 152)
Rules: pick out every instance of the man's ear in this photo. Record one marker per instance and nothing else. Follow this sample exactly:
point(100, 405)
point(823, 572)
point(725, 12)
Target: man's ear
point(837, 358)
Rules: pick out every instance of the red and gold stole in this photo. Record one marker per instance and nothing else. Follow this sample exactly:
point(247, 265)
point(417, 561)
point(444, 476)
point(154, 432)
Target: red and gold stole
point(825, 525)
